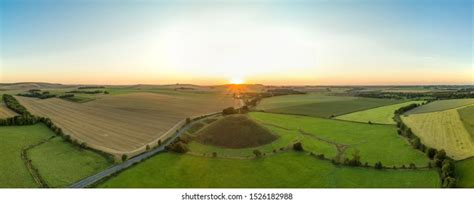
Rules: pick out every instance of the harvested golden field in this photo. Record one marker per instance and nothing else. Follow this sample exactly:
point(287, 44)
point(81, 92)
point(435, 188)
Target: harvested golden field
point(5, 112)
point(442, 130)
point(125, 123)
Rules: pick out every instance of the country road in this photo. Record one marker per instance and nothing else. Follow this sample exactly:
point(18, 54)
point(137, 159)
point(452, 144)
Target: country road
point(118, 167)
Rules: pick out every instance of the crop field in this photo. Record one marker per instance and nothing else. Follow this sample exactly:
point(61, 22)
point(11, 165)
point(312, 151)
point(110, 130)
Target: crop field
point(13, 172)
point(374, 142)
point(320, 105)
point(61, 164)
point(293, 169)
point(442, 130)
point(467, 118)
point(465, 173)
point(441, 105)
point(126, 122)
point(5, 112)
point(382, 115)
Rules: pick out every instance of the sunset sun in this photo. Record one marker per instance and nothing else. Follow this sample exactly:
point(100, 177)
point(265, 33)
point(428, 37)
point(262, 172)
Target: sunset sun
point(236, 80)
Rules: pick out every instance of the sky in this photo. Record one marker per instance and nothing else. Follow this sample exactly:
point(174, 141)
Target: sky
point(277, 42)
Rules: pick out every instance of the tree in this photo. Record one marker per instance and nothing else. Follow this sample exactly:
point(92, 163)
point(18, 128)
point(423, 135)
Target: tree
point(378, 165)
point(245, 109)
point(441, 155)
point(147, 147)
point(448, 168)
point(179, 146)
point(214, 154)
point(124, 157)
point(449, 182)
point(430, 152)
point(188, 120)
point(228, 111)
point(415, 142)
point(355, 161)
point(159, 142)
point(257, 153)
point(298, 146)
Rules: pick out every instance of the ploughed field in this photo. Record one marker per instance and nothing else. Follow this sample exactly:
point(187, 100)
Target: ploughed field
point(320, 105)
point(125, 123)
point(58, 163)
point(5, 112)
point(444, 130)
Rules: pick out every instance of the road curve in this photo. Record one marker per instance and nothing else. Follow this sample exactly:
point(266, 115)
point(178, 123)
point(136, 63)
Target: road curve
point(118, 167)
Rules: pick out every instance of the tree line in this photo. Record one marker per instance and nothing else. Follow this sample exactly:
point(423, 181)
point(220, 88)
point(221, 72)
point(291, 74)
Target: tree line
point(37, 93)
point(430, 96)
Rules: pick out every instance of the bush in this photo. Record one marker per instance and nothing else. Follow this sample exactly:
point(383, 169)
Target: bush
point(257, 153)
point(214, 154)
point(298, 146)
point(430, 152)
point(124, 157)
point(83, 145)
point(416, 143)
point(355, 161)
point(229, 110)
point(449, 182)
point(147, 147)
point(378, 165)
point(178, 146)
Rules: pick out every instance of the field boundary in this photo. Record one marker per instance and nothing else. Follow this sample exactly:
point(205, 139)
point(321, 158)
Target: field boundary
point(28, 163)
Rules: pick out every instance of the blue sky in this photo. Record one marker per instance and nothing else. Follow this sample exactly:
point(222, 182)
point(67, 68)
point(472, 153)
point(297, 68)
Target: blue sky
point(209, 42)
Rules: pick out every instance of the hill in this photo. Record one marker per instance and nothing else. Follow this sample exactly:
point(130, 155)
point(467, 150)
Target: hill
point(236, 131)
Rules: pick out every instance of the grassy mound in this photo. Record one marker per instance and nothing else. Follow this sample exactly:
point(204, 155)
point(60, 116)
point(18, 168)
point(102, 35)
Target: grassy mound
point(236, 131)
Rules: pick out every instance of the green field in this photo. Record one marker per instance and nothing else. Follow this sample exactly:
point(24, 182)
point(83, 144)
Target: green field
point(375, 142)
point(319, 105)
point(60, 163)
point(13, 139)
point(291, 169)
point(467, 118)
point(465, 173)
point(382, 115)
point(285, 139)
point(441, 105)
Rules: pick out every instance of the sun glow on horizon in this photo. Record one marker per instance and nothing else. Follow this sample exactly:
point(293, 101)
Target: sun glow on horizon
point(236, 80)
